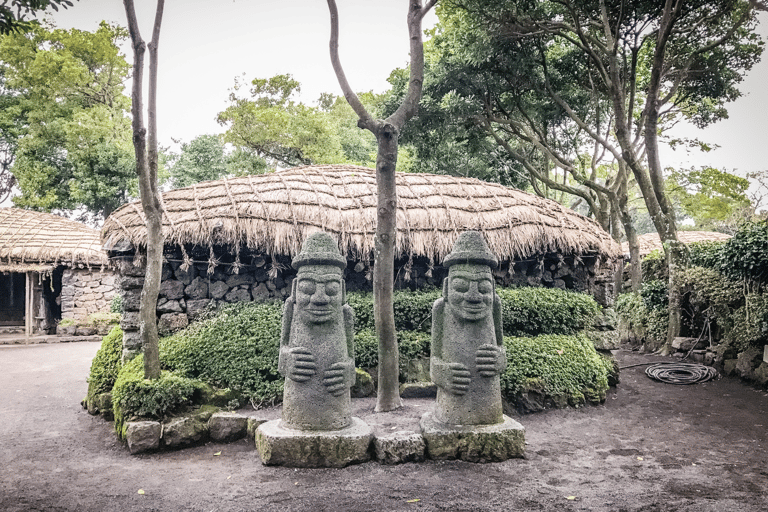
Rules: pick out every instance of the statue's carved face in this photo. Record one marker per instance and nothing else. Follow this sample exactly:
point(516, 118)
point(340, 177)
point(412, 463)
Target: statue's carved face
point(470, 291)
point(319, 294)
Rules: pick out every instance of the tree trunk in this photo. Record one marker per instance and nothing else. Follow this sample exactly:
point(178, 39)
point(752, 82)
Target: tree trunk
point(677, 261)
point(384, 270)
point(387, 133)
point(146, 168)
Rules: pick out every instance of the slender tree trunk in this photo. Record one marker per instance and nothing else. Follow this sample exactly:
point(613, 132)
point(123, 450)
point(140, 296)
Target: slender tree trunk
point(387, 133)
point(146, 168)
point(384, 270)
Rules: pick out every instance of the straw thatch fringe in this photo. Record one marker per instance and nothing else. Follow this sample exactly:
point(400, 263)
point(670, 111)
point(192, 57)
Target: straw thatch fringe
point(650, 241)
point(273, 213)
point(29, 239)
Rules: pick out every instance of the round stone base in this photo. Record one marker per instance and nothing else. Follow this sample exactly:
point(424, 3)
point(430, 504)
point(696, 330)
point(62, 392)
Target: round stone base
point(279, 446)
point(473, 443)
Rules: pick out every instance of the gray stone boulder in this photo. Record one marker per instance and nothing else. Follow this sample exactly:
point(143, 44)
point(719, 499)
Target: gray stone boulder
point(143, 436)
point(227, 426)
point(185, 431)
point(197, 289)
point(399, 447)
point(240, 279)
point(363, 385)
point(253, 424)
point(418, 390)
point(218, 289)
point(238, 295)
point(172, 290)
point(172, 322)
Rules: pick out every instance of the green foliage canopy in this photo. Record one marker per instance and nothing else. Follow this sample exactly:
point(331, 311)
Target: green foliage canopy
point(65, 125)
point(270, 124)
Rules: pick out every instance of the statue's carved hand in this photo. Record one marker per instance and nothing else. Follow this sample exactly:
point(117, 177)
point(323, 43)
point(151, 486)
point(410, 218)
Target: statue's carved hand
point(458, 379)
point(334, 380)
point(301, 364)
point(490, 360)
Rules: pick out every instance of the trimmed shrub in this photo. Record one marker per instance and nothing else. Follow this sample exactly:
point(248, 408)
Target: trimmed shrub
point(566, 368)
point(411, 345)
point(654, 266)
point(135, 396)
point(745, 256)
point(534, 311)
point(413, 309)
point(655, 294)
point(640, 324)
point(236, 348)
point(706, 254)
point(105, 365)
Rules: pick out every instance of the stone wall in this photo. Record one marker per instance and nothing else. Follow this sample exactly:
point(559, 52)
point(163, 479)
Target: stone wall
point(86, 291)
point(184, 293)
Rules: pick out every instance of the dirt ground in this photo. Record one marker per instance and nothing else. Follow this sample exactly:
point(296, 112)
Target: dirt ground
point(651, 447)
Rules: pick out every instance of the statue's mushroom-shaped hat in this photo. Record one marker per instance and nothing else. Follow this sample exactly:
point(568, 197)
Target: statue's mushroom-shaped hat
point(319, 249)
point(471, 248)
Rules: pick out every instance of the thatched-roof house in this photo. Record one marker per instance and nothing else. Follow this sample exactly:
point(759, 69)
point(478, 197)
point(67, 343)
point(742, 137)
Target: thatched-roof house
point(233, 239)
point(650, 242)
point(50, 268)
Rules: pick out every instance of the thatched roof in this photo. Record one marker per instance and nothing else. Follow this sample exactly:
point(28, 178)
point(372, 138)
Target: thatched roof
point(35, 241)
point(650, 241)
point(274, 212)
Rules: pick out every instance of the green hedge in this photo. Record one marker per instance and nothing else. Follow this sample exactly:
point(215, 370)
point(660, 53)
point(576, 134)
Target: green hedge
point(413, 309)
point(135, 396)
point(566, 368)
point(411, 345)
point(535, 311)
point(236, 348)
point(526, 311)
point(105, 365)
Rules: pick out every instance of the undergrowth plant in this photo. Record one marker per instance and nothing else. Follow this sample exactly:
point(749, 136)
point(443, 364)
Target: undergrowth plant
point(105, 365)
point(565, 367)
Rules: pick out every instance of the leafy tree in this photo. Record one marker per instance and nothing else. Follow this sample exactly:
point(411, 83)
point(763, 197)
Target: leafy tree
point(387, 132)
point(202, 159)
point(271, 125)
point(64, 130)
point(711, 197)
point(552, 81)
point(13, 17)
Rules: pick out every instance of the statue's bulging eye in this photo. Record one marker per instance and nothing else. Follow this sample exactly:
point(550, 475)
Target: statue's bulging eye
point(485, 287)
point(306, 286)
point(332, 288)
point(460, 285)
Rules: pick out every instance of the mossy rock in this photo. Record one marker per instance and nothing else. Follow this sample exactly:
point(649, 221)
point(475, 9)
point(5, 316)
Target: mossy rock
point(363, 384)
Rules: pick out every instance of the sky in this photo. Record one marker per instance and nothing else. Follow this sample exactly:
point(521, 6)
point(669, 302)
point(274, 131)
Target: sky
point(204, 45)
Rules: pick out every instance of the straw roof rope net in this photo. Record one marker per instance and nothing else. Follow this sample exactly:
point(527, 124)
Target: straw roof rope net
point(273, 213)
point(650, 242)
point(34, 240)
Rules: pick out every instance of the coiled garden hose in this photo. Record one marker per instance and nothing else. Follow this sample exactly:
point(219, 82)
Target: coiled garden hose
point(681, 373)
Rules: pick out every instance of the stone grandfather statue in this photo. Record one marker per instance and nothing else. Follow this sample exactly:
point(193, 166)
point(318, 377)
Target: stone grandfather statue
point(467, 349)
point(317, 341)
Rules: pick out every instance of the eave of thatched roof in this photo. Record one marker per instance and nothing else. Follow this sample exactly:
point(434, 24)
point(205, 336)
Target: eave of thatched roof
point(34, 240)
point(650, 242)
point(274, 212)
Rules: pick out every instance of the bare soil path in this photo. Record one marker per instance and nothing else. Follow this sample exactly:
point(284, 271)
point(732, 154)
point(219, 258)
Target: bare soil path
point(651, 447)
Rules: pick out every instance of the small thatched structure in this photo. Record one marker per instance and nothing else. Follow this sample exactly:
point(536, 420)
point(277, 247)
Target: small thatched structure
point(273, 213)
point(40, 241)
point(650, 242)
point(234, 239)
point(50, 268)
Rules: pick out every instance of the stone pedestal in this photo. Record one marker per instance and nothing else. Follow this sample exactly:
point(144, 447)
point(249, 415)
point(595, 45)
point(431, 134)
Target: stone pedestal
point(473, 443)
point(282, 446)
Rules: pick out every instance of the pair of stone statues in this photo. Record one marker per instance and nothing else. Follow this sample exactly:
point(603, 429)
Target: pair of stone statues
point(317, 349)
